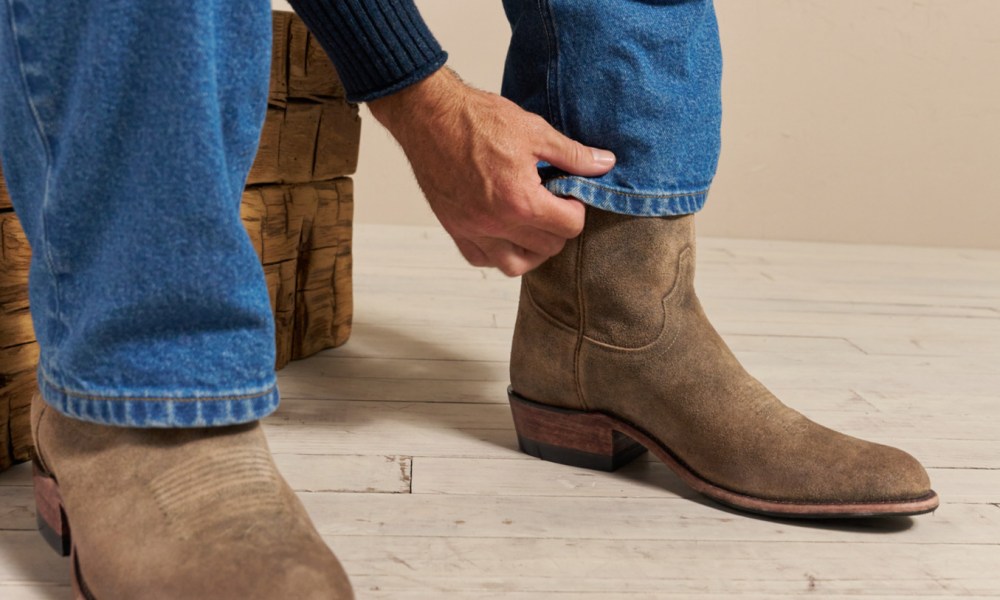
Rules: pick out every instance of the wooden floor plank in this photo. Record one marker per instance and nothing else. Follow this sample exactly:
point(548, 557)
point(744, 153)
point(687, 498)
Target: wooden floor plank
point(675, 518)
point(670, 569)
point(402, 448)
point(15, 591)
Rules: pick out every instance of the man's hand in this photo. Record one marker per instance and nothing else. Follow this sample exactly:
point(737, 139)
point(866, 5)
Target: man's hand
point(474, 155)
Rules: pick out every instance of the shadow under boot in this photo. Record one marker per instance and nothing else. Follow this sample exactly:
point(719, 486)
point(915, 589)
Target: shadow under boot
point(613, 355)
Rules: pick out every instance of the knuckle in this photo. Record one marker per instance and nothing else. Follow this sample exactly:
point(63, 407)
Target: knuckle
point(537, 123)
point(523, 210)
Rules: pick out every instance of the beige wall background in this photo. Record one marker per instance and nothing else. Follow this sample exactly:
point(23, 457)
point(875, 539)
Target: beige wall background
point(874, 121)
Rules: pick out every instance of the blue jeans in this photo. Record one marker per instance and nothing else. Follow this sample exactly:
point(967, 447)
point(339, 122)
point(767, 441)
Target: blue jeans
point(127, 129)
point(638, 77)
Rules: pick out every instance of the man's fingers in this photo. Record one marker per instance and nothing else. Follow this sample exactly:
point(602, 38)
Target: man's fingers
point(562, 217)
point(572, 156)
point(511, 259)
point(514, 261)
point(472, 253)
point(537, 241)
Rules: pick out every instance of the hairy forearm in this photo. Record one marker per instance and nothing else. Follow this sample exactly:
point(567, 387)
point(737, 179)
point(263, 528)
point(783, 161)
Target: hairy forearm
point(439, 96)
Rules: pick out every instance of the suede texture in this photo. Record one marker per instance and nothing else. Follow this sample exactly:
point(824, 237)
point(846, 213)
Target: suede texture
point(613, 324)
point(183, 513)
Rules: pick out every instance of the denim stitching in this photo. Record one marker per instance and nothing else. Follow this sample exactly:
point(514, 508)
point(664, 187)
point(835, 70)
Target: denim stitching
point(552, 65)
point(612, 190)
point(85, 396)
point(171, 413)
point(43, 139)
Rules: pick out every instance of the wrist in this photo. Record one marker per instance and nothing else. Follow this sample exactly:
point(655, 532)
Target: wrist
point(430, 96)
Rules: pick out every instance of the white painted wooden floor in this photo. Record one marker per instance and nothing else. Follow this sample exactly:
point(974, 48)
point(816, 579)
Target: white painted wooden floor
point(401, 444)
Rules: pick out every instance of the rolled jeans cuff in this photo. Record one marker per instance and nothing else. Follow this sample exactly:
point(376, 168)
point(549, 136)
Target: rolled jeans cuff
point(243, 406)
point(627, 202)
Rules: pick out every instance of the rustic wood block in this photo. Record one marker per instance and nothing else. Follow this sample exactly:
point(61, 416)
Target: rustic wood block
point(297, 147)
point(281, 22)
point(303, 235)
point(17, 386)
point(338, 142)
point(305, 141)
point(265, 167)
point(280, 279)
point(274, 232)
point(325, 207)
point(15, 262)
point(4, 196)
point(18, 352)
point(310, 72)
point(323, 302)
point(15, 328)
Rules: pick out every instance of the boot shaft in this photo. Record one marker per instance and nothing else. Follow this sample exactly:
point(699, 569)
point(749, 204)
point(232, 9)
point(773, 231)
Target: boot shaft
point(606, 287)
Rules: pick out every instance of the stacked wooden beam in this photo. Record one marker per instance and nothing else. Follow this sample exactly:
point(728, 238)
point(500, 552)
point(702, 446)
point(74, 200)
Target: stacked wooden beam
point(297, 209)
point(299, 202)
point(18, 350)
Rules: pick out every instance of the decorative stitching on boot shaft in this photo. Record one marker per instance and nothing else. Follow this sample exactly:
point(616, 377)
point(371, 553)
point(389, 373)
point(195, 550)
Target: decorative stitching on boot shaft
point(680, 284)
point(212, 489)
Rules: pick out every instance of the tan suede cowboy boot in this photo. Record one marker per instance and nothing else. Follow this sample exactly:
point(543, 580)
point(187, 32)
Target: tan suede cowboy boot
point(612, 355)
point(175, 513)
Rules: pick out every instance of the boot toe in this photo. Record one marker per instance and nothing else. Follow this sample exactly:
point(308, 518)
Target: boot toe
point(890, 474)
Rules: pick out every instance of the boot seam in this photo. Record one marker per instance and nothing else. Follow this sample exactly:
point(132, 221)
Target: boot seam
point(36, 435)
point(683, 268)
point(544, 313)
point(581, 318)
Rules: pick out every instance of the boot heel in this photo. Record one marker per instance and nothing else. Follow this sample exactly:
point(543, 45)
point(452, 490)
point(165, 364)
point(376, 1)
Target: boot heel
point(51, 517)
point(571, 437)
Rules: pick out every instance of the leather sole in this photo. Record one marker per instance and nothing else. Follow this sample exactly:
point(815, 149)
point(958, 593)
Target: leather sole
point(597, 440)
point(54, 526)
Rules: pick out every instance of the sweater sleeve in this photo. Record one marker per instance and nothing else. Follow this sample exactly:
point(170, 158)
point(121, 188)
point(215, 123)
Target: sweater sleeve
point(378, 46)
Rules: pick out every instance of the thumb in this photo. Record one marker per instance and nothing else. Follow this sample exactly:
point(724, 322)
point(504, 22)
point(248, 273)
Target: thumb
point(573, 157)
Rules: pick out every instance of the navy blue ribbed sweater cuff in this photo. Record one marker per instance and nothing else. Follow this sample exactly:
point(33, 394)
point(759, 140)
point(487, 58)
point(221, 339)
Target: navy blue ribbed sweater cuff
point(378, 46)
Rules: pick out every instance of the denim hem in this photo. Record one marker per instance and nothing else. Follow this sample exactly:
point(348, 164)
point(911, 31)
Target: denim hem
point(626, 202)
point(160, 412)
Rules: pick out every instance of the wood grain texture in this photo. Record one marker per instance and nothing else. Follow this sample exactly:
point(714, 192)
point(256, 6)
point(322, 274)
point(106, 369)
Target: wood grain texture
point(298, 206)
point(303, 235)
point(4, 195)
point(18, 350)
point(305, 141)
point(310, 133)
